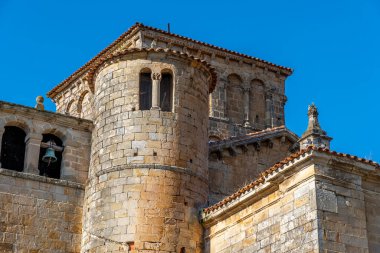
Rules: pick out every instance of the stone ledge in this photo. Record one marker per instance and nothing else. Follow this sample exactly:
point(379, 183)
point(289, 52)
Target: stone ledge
point(59, 182)
point(52, 117)
point(151, 166)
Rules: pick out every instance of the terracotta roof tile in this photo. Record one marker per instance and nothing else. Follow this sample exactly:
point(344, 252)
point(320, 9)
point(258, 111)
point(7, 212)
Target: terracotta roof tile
point(271, 170)
point(52, 93)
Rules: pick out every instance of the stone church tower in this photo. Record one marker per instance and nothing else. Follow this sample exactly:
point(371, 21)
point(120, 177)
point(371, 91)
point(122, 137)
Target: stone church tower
point(148, 173)
point(165, 144)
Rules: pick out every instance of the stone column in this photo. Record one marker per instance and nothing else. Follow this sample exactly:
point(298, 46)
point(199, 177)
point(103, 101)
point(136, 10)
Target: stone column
point(32, 153)
point(224, 83)
point(2, 130)
point(268, 110)
point(210, 106)
point(246, 107)
point(156, 78)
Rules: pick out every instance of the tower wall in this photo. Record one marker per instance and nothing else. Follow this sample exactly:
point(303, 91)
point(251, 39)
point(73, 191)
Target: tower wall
point(148, 173)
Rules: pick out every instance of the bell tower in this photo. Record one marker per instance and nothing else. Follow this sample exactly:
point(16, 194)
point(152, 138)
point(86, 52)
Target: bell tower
point(149, 164)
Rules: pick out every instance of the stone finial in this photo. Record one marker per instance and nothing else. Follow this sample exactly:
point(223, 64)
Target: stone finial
point(313, 125)
point(314, 134)
point(40, 103)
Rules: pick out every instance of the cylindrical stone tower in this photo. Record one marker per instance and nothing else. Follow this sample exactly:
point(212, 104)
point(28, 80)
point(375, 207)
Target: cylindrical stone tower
point(149, 168)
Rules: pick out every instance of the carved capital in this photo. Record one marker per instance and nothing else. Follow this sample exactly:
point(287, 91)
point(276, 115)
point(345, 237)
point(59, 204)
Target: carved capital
point(246, 89)
point(268, 96)
point(156, 76)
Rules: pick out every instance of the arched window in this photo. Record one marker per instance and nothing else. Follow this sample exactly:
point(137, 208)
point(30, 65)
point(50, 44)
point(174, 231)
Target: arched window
point(50, 169)
point(13, 148)
point(145, 90)
point(166, 91)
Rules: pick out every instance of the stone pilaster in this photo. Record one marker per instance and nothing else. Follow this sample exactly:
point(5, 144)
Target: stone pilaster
point(246, 106)
point(156, 78)
point(210, 105)
point(268, 110)
point(2, 130)
point(32, 153)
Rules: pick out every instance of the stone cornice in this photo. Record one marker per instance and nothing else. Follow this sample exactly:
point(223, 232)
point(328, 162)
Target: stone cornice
point(46, 116)
point(42, 179)
point(198, 63)
point(253, 137)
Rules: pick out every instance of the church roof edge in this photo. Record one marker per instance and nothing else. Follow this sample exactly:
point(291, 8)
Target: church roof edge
point(275, 168)
point(132, 30)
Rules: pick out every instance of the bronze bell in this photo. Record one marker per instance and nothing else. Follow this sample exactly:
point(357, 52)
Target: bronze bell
point(49, 156)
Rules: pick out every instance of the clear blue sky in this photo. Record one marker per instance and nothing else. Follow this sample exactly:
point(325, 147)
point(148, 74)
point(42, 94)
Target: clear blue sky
point(334, 47)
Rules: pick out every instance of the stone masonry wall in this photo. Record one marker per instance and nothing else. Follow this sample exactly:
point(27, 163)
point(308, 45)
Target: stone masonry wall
point(148, 175)
point(236, 76)
point(76, 101)
point(39, 215)
point(279, 220)
point(155, 209)
point(342, 211)
point(74, 133)
point(232, 171)
point(371, 189)
point(126, 135)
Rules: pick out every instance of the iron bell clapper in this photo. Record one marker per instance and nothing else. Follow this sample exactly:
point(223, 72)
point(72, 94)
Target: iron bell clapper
point(49, 156)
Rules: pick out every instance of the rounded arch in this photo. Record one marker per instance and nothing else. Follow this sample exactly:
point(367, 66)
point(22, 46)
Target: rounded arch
point(257, 81)
point(56, 132)
point(234, 79)
point(69, 107)
point(235, 101)
point(257, 103)
point(167, 71)
point(80, 101)
point(18, 123)
point(145, 70)
point(84, 108)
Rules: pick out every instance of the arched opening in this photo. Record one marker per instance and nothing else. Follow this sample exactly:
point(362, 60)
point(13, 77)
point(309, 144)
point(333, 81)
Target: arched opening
point(13, 148)
point(235, 101)
point(84, 105)
point(257, 104)
point(145, 90)
point(70, 109)
point(166, 92)
point(50, 169)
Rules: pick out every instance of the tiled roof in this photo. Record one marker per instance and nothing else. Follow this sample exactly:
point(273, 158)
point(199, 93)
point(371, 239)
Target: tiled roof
point(251, 136)
point(101, 60)
point(215, 47)
point(261, 179)
point(134, 28)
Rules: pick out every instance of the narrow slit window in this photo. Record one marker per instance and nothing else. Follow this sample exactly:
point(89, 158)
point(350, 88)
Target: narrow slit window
point(166, 90)
point(13, 148)
point(145, 91)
